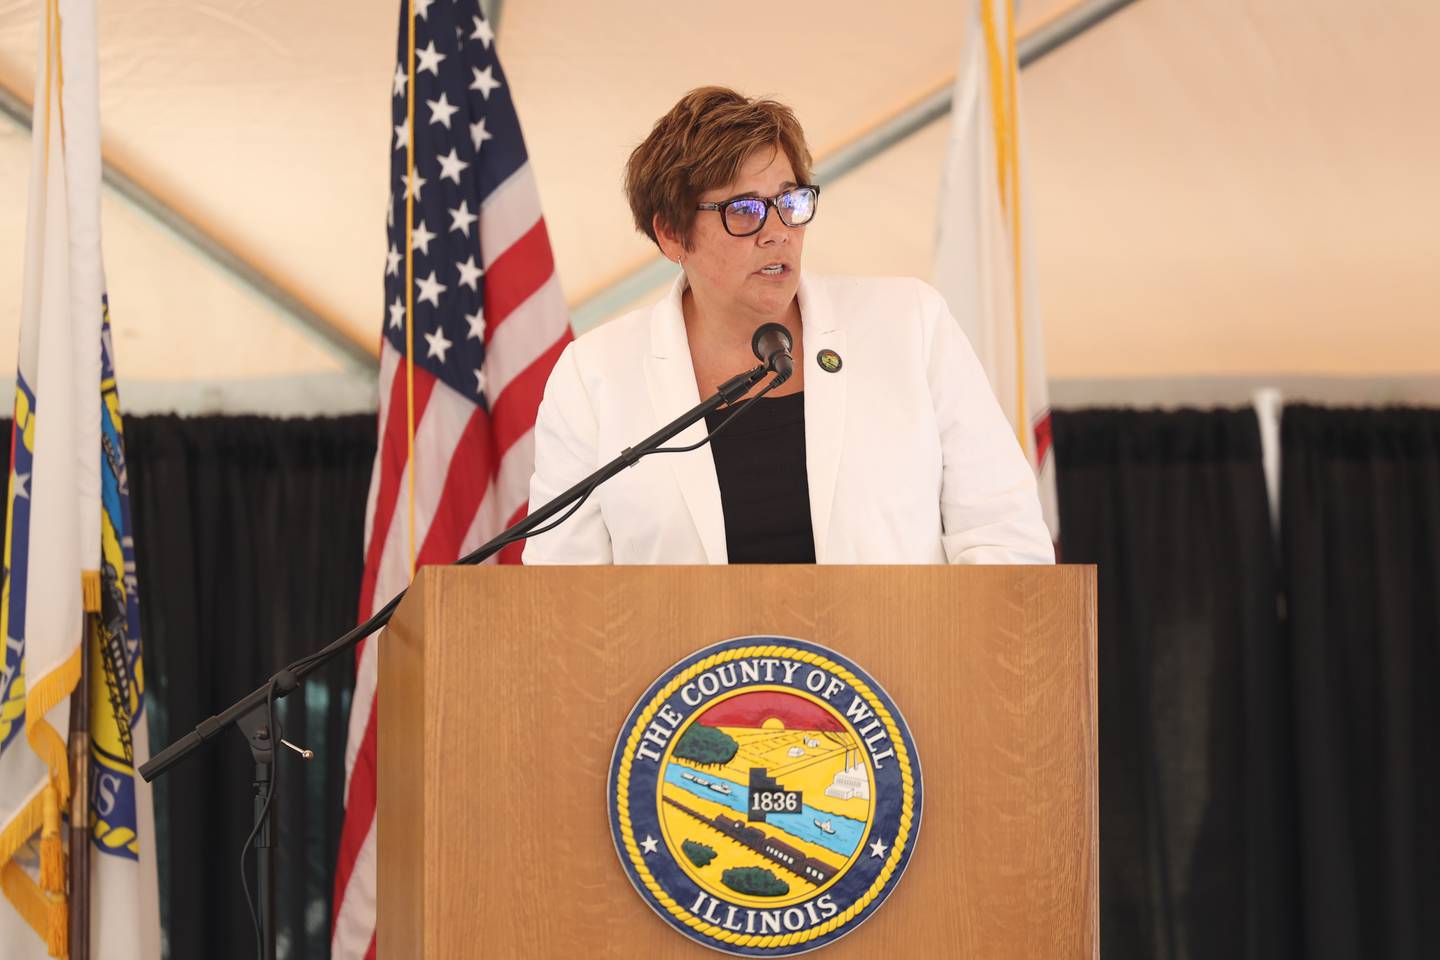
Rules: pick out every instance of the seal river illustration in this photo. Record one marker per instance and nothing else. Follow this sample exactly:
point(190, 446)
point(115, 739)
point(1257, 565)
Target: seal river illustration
point(765, 796)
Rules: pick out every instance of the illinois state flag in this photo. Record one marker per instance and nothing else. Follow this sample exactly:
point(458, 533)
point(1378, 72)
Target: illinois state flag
point(67, 523)
point(983, 264)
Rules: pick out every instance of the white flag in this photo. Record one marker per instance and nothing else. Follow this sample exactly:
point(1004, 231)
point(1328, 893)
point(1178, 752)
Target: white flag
point(983, 263)
point(67, 519)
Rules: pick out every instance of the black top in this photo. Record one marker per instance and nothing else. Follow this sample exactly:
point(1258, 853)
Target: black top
point(765, 493)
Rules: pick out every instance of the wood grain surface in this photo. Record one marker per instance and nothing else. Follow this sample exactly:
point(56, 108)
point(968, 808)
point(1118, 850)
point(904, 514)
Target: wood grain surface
point(502, 691)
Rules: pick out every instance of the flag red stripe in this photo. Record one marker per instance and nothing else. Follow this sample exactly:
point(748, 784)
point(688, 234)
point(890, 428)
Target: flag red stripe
point(1043, 438)
point(359, 812)
point(466, 480)
point(511, 554)
point(394, 444)
point(515, 276)
point(514, 412)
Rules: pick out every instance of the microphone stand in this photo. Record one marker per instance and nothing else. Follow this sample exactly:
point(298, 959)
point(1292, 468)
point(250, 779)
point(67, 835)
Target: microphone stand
point(254, 712)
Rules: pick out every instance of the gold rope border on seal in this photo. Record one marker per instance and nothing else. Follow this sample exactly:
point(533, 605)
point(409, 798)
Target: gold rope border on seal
point(902, 835)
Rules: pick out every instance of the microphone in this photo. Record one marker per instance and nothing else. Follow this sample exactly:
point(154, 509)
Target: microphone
point(771, 345)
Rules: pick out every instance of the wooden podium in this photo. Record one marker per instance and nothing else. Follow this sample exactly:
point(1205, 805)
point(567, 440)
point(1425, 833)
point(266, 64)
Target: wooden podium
point(502, 690)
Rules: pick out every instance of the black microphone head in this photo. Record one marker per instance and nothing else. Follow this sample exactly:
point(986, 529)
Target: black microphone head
point(770, 338)
point(771, 345)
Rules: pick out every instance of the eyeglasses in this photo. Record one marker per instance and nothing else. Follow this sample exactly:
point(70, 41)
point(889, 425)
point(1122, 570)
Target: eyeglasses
point(744, 217)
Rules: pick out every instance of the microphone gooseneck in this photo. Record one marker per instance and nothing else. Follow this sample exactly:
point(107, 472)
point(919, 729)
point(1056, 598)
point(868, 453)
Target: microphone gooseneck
point(771, 345)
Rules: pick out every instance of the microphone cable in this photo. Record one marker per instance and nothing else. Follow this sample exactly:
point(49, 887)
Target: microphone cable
point(723, 424)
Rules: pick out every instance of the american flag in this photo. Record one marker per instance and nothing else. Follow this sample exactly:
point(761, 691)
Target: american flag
point(474, 283)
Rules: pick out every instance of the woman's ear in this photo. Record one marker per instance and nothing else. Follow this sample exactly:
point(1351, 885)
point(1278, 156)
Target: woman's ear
point(670, 243)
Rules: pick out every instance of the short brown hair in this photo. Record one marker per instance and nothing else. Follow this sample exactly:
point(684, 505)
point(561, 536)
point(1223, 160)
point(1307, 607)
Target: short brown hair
point(700, 145)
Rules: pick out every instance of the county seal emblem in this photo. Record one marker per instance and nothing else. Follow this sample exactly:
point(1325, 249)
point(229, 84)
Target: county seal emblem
point(765, 796)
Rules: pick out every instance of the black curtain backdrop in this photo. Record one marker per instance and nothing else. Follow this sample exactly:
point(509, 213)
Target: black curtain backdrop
point(249, 555)
point(1361, 509)
point(1253, 803)
point(1196, 848)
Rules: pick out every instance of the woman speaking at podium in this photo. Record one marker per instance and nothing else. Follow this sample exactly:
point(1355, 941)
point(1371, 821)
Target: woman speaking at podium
point(884, 446)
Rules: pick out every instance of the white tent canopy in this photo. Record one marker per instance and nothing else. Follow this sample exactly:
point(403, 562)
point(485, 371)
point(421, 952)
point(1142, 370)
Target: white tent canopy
point(1222, 192)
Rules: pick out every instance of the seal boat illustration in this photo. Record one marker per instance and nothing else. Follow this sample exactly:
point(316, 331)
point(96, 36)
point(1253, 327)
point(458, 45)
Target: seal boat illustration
point(828, 826)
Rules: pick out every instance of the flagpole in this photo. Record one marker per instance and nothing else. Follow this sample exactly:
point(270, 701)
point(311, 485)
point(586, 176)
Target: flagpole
point(80, 775)
point(412, 193)
point(1023, 426)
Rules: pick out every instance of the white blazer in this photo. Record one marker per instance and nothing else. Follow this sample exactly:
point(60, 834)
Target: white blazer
point(908, 457)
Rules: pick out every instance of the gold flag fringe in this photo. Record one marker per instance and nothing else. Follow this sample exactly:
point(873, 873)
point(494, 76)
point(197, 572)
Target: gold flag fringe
point(57, 932)
point(52, 851)
point(90, 590)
